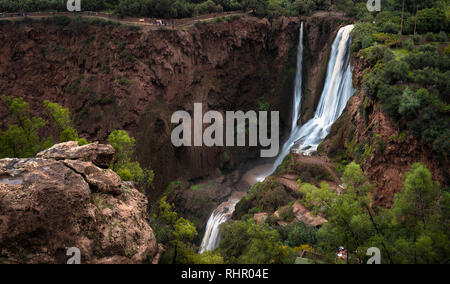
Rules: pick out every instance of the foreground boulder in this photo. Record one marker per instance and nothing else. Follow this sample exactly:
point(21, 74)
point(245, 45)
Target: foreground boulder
point(62, 200)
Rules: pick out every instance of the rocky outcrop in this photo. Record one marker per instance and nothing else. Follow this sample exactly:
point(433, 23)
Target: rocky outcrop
point(63, 199)
point(302, 215)
point(99, 154)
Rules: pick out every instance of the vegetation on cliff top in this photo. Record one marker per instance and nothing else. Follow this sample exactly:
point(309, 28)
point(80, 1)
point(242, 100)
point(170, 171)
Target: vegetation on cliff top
point(409, 71)
point(189, 8)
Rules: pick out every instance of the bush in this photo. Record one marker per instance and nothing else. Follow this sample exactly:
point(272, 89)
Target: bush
point(424, 58)
point(122, 164)
point(362, 36)
point(388, 55)
point(417, 39)
point(430, 37)
point(431, 20)
point(408, 45)
point(255, 244)
point(409, 104)
point(374, 53)
point(443, 37)
point(391, 28)
point(298, 234)
point(286, 213)
point(447, 50)
point(396, 71)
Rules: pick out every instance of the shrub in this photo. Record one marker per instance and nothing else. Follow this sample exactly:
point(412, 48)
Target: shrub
point(298, 234)
point(396, 71)
point(362, 36)
point(122, 164)
point(286, 213)
point(431, 20)
point(447, 50)
point(443, 37)
point(409, 104)
point(430, 37)
point(388, 55)
point(391, 28)
point(376, 53)
point(408, 45)
point(417, 39)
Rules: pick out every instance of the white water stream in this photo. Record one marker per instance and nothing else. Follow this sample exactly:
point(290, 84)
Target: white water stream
point(303, 139)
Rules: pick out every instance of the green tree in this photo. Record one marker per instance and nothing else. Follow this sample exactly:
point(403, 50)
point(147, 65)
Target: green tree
point(414, 213)
point(176, 233)
point(245, 242)
point(60, 117)
point(122, 163)
point(21, 139)
point(352, 222)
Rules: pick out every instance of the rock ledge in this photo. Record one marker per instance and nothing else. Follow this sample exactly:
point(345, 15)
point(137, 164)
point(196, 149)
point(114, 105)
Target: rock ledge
point(67, 197)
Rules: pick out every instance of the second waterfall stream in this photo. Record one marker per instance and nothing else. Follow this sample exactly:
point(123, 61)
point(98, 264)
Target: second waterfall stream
point(303, 139)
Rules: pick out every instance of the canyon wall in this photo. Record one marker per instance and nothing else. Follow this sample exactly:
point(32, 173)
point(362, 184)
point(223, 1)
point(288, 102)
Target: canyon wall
point(121, 78)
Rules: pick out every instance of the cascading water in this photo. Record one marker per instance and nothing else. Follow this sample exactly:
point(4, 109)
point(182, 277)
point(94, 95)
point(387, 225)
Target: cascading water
point(219, 216)
point(296, 107)
point(336, 92)
point(224, 211)
point(305, 139)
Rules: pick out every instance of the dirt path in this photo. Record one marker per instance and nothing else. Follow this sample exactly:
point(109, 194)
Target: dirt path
point(149, 23)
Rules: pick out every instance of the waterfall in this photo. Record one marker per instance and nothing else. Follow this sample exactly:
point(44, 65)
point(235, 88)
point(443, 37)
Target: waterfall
point(336, 92)
point(305, 139)
point(296, 108)
point(219, 216)
point(296, 104)
point(224, 211)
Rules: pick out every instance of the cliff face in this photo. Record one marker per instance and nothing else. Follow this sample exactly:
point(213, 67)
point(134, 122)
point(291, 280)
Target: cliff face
point(367, 134)
point(66, 197)
point(118, 78)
